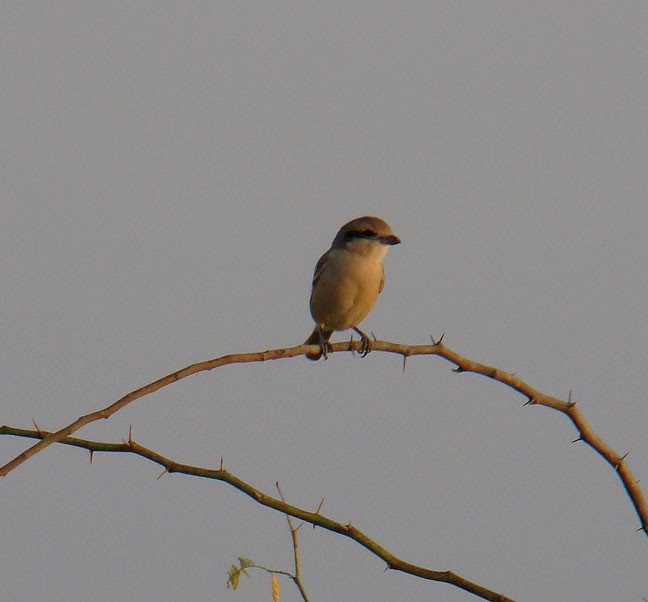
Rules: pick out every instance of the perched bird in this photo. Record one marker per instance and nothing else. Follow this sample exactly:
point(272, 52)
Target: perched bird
point(348, 279)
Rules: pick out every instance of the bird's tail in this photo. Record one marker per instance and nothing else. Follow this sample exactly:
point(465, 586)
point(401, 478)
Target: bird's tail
point(315, 339)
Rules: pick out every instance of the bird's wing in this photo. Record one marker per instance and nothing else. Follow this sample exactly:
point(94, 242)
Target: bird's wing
point(318, 267)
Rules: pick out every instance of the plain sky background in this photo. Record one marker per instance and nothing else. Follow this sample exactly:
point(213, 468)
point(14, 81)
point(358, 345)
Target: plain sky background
point(170, 174)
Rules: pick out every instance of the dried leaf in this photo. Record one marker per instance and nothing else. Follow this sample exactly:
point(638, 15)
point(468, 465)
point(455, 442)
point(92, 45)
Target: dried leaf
point(275, 588)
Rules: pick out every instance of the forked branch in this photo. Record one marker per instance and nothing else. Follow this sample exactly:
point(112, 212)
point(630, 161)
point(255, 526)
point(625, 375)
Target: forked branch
point(314, 518)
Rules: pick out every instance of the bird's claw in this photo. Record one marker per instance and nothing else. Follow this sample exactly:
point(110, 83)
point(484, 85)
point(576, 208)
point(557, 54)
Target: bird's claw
point(326, 346)
point(365, 343)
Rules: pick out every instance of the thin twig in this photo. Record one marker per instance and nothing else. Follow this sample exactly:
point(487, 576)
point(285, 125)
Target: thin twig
point(295, 540)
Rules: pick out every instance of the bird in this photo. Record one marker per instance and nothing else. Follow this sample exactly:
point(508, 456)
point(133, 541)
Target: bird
point(347, 281)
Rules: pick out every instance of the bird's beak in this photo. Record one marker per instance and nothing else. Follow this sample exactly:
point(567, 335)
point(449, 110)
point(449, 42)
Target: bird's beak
point(392, 239)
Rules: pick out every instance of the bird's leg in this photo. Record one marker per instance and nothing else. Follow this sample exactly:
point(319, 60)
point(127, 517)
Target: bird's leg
point(366, 342)
point(325, 344)
point(351, 349)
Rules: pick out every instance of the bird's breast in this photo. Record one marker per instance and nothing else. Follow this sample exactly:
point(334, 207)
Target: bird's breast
point(346, 289)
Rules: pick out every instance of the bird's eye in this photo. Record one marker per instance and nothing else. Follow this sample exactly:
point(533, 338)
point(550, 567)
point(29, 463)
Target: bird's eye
point(360, 234)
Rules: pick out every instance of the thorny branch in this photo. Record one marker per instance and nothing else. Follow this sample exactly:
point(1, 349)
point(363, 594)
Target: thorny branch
point(314, 518)
point(534, 397)
point(462, 364)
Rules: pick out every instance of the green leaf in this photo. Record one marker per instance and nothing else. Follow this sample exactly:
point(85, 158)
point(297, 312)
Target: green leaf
point(234, 573)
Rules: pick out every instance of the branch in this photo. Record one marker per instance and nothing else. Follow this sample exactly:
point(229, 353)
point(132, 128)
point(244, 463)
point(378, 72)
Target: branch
point(296, 577)
point(234, 573)
point(534, 397)
point(314, 518)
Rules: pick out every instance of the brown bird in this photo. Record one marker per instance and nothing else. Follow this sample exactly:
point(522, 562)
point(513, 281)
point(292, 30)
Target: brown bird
point(348, 279)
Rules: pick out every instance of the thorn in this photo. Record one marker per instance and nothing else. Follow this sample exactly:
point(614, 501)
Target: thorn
point(439, 341)
point(165, 471)
point(281, 495)
point(91, 455)
point(642, 528)
point(579, 438)
point(529, 402)
point(221, 462)
point(404, 361)
point(299, 526)
point(617, 464)
point(458, 369)
point(373, 336)
point(570, 403)
point(130, 434)
point(319, 507)
point(38, 429)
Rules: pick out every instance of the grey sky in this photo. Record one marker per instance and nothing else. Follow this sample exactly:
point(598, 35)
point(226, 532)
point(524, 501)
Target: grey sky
point(171, 173)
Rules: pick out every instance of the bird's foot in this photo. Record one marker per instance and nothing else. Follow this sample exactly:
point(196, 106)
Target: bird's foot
point(325, 344)
point(365, 343)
